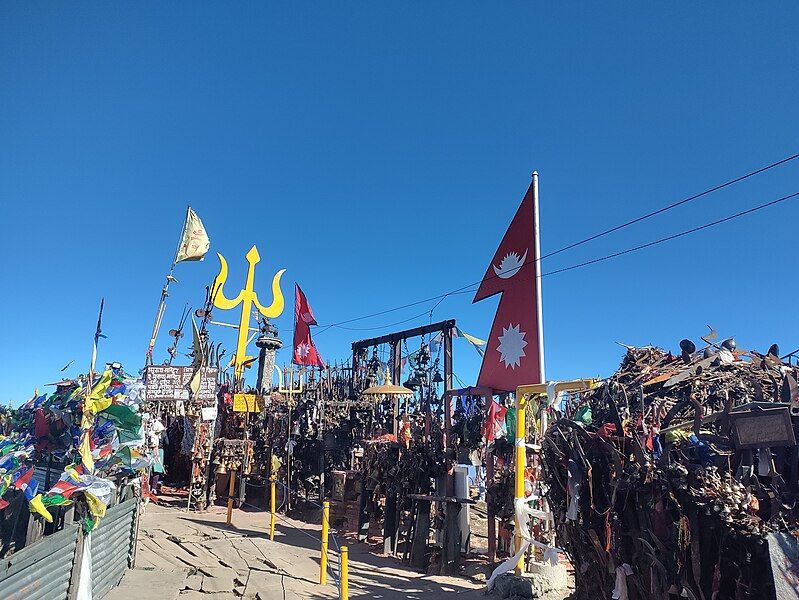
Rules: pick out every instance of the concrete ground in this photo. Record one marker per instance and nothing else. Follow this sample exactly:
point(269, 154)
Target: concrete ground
point(186, 556)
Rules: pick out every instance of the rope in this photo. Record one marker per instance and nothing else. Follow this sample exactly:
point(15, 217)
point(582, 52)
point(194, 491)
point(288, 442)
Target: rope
point(336, 575)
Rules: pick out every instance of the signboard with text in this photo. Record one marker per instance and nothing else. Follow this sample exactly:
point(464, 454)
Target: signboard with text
point(163, 382)
point(247, 403)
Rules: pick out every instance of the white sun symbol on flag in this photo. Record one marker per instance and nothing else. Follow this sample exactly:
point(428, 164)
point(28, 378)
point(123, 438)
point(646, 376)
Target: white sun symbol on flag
point(511, 345)
point(303, 349)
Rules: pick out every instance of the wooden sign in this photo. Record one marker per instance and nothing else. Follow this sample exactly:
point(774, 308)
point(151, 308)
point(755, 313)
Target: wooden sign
point(163, 382)
point(247, 403)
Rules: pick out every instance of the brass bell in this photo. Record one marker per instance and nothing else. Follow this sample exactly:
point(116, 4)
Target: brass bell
point(221, 470)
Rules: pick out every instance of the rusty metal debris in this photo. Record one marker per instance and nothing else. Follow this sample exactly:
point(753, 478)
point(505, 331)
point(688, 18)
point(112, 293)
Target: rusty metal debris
point(653, 489)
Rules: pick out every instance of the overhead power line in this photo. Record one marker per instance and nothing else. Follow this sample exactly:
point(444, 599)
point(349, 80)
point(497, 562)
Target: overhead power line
point(442, 297)
point(467, 288)
point(326, 327)
point(671, 237)
point(641, 218)
point(671, 206)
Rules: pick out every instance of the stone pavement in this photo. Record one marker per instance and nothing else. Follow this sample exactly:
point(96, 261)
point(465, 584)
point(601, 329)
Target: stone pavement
point(187, 556)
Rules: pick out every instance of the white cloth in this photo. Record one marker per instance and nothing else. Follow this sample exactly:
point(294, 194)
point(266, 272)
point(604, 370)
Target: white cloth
point(551, 393)
point(620, 590)
point(524, 512)
point(85, 573)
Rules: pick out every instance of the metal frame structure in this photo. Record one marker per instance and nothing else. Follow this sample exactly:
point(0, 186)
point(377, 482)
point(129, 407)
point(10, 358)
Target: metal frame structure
point(396, 339)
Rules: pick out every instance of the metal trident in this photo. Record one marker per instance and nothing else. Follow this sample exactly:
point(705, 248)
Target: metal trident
point(246, 297)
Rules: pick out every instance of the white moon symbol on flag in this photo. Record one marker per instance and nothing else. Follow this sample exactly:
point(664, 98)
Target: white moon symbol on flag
point(510, 265)
point(306, 316)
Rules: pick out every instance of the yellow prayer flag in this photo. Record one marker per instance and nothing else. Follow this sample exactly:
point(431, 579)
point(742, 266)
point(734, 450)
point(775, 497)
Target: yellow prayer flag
point(96, 507)
point(194, 240)
point(471, 338)
point(97, 401)
point(194, 383)
point(86, 452)
point(37, 506)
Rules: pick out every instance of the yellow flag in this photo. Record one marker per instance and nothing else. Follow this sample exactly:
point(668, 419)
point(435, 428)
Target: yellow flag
point(471, 338)
point(86, 452)
point(196, 379)
point(97, 401)
point(37, 506)
point(194, 241)
point(96, 507)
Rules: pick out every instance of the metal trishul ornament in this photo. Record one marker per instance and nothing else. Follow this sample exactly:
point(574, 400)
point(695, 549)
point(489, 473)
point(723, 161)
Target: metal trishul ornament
point(247, 298)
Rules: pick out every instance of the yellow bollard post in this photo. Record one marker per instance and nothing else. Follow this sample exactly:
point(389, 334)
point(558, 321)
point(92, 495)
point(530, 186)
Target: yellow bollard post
point(345, 573)
point(325, 540)
point(272, 508)
point(521, 460)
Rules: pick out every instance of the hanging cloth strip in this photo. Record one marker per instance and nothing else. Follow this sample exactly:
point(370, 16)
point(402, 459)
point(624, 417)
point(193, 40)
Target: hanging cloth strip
point(524, 512)
point(620, 590)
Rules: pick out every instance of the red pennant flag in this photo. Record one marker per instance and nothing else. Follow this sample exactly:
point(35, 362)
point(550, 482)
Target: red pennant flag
point(305, 352)
point(24, 479)
point(514, 352)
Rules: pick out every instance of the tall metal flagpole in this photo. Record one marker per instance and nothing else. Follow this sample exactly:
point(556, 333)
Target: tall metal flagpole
point(159, 314)
point(539, 304)
point(521, 400)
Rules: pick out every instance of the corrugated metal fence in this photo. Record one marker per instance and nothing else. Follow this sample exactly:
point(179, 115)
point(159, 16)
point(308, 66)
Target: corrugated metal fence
point(42, 570)
point(112, 547)
point(49, 569)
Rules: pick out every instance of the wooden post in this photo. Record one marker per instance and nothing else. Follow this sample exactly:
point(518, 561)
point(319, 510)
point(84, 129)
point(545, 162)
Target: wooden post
point(420, 534)
point(449, 482)
point(77, 560)
point(451, 544)
point(231, 488)
point(448, 356)
point(390, 524)
point(363, 520)
point(396, 361)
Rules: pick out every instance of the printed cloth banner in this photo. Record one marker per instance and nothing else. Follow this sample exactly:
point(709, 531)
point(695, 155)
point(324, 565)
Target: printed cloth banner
point(194, 242)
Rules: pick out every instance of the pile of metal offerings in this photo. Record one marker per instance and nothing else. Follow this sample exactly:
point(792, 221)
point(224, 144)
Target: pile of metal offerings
point(678, 477)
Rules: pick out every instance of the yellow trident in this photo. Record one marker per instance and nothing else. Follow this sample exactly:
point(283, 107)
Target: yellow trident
point(247, 297)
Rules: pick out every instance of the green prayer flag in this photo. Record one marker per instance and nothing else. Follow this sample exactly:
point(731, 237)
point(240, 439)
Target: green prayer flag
point(510, 424)
point(123, 417)
point(55, 500)
point(584, 415)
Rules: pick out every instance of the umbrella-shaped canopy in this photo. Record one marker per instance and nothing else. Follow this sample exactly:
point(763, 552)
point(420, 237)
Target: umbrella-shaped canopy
point(387, 388)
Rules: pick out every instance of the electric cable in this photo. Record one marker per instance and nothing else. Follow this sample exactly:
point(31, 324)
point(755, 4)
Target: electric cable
point(467, 288)
point(670, 206)
point(673, 236)
point(595, 236)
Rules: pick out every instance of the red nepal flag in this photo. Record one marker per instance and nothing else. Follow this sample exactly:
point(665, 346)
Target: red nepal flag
point(514, 352)
point(305, 352)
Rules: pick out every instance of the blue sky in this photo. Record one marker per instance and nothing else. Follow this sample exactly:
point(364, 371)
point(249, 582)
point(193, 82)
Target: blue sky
point(378, 152)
